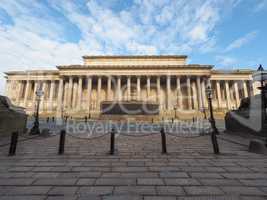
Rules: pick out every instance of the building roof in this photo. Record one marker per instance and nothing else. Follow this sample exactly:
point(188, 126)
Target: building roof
point(238, 71)
point(133, 56)
point(35, 72)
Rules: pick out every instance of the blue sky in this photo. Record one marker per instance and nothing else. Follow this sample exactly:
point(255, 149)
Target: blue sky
point(40, 34)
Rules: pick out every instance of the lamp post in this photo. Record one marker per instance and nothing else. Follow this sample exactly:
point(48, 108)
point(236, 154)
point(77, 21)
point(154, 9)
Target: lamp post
point(175, 115)
point(261, 75)
point(212, 122)
point(35, 129)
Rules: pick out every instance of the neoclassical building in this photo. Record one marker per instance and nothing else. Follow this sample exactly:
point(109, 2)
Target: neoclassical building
point(177, 87)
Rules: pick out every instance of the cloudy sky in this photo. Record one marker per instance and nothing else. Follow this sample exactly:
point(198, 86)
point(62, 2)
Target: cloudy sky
point(40, 34)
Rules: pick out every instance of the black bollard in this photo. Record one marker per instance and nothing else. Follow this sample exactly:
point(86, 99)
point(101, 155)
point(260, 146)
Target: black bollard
point(85, 118)
point(163, 141)
point(112, 141)
point(62, 142)
point(13, 143)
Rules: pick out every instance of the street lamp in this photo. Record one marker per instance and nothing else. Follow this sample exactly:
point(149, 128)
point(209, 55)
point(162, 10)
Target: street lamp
point(261, 75)
point(212, 122)
point(35, 129)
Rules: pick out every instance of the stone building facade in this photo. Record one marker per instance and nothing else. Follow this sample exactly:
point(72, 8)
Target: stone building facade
point(78, 90)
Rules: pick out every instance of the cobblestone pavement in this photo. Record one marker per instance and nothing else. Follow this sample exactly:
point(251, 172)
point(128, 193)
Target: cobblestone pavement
point(138, 170)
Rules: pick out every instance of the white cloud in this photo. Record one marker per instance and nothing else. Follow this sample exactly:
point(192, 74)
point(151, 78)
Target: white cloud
point(241, 41)
point(37, 38)
point(226, 61)
point(261, 5)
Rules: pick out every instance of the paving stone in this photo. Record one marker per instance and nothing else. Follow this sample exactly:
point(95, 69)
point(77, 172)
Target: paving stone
point(86, 181)
point(254, 198)
point(174, 175)
point(55, 181)
point(150, 181)
point(26, 190)
point(205, 175)
point(135, 163)
point(181, 181)
point(203, 190)
point(215, 182)
point(140, 175)
point(159, 198)
point(245, 175)
point(62, 197)
point(211, 197)
point(115, 197)
point(16, 181)
point(23, 197)
point(242, 190)
point(95, 190)
point(66, 191)
point(259, 182)
point(169, 190)
point(45, 175)
point(135, 190)
point(115, 181)
point(89, 197)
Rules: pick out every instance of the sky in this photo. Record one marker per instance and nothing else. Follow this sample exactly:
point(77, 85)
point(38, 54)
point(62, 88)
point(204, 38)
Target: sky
point(41, 34)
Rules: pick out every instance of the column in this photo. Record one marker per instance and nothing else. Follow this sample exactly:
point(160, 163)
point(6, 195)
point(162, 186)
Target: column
point(138, 88)
point(148, 87)
point(34, 93)
point(44, 89)
point(74, 94)
point(228, 99)
point(245, 88)
point(188, 84)
point(51, 95)
point(109, 88)
point(179, 93)
point(129, 88)
point(168, 92)
point(251, 92)
point(219, 96)
point(89, 90)
point(7, 87)
point(204, 97)
point(19, 92)
point(26, 93)
point(195, 99)
point(69, 101)
point(99, 85)
point(200, 102)
point(119, 88)
point(236, 94)
point(66, 95)
point(80, 93)
point(158, 91)
point(60, 96)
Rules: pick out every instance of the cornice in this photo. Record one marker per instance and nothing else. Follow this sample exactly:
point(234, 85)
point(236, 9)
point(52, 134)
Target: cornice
point(132, 67)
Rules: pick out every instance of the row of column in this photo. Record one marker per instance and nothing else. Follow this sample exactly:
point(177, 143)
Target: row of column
point(62, 91)
point(247, 88)
point(195, 92)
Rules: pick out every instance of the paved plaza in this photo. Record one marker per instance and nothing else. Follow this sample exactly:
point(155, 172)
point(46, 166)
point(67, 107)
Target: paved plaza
point(138, 170)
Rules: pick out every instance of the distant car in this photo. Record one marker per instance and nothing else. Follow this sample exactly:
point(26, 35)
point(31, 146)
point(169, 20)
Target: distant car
point(12, 118)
